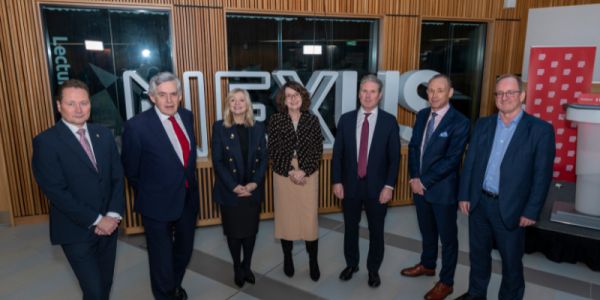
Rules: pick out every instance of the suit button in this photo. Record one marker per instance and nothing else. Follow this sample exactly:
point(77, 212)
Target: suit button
point(234, 171)
point(253, 172)
point(230, 159)
point(258, 148)
point(257, 160)
point(226, 147)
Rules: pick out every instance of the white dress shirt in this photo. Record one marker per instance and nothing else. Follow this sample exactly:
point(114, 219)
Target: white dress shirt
point(360, 118)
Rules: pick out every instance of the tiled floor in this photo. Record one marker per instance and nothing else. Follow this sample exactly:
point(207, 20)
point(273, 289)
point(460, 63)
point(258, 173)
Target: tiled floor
point(30, 268)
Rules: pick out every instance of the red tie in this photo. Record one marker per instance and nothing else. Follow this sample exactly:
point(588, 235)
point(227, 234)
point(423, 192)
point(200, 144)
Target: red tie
point(183, 142)
point(364, 147)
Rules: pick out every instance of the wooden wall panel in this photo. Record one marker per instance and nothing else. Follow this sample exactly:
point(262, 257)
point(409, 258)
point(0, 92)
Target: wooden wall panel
point(400, 7)
point(476, 9)
point(400, 42)
point(273, 6)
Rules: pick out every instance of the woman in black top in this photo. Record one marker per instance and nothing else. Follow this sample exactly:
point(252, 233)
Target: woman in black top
point(295, 149)
point(239, 158)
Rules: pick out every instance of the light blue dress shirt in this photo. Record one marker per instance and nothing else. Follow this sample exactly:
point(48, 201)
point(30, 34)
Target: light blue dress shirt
point(502, 137)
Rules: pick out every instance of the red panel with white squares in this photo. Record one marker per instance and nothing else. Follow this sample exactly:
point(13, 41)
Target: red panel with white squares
point(557, 76)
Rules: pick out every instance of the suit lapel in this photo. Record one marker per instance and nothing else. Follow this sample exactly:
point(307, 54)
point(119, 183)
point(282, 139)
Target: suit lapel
point(519, 137)
point(71, 141)
point(488, 133)
point(442, 126)
point(377, 132)
point(99, 154)
point(157, 127)
point(233, 140)
point(354, 150)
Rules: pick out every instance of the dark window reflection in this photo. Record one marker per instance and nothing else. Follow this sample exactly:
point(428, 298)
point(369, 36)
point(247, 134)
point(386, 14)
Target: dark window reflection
point(131, 39)
point(456, 49)
point(268, 43)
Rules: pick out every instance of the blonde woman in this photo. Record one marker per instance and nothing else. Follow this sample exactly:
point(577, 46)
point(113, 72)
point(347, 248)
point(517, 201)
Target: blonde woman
point(239, 158)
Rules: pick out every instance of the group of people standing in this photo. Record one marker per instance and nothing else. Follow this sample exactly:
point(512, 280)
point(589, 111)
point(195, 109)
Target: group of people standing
point(503, 185)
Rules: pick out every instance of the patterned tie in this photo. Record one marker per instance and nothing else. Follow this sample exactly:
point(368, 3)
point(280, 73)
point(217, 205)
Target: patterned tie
point(86, 147)
point(429, 130)
point(363, 149)
point(183, 142)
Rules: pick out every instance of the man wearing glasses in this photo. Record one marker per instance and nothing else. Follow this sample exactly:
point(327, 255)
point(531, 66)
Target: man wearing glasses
point(503, 186)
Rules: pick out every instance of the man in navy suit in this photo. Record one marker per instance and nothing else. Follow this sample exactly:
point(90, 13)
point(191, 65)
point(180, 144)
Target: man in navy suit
point(503, 186)
point(159, 156)
point(434, 155)
point(366, 157)
point(76, 164)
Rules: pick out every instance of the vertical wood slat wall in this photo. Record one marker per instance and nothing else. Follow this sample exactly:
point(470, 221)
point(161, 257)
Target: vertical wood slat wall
point(199, 33)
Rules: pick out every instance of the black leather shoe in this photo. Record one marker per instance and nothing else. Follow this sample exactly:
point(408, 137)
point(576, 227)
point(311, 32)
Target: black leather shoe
point(374, 280)
point(180, 293)
point(466, 296)
point(238, 277)
point(249, 276)
point(347, 273)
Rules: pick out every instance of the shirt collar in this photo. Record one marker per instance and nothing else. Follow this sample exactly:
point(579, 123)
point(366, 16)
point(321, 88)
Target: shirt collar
point(74, 127)
point(514, 122)
point(361, 112)
point(442, 112)
point(162, 116)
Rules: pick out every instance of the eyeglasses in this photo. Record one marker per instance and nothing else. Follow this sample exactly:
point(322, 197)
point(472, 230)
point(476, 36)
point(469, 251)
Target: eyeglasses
point(509, 94)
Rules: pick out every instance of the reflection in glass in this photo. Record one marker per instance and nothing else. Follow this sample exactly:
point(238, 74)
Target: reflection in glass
point(456, 49)
point(268, 43)
point(96, 45)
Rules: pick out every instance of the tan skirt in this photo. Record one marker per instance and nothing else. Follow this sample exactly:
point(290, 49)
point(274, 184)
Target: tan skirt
point(296, 207)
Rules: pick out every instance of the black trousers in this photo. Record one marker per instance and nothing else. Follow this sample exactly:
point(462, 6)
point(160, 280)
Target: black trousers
point(352, 208)
point(93, 264)
point(170, 245)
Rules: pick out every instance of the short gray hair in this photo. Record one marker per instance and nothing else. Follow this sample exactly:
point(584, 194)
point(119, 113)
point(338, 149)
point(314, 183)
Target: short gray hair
point(515, 77)
point(371, 78)
point(161, 78)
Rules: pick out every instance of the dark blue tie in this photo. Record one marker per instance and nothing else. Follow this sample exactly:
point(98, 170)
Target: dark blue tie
point(429, 129)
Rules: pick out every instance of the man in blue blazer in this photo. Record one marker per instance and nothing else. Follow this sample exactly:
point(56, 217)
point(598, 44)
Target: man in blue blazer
point(366, 157)
point(76, 164)
point(503, 187)
point(434, 155)
point(159, 156)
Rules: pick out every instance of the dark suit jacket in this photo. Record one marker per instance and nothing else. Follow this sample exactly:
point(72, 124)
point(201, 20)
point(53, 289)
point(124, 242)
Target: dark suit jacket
point(76, 191)
point(384, 154)
point(442, 157)
point(525, 172)
point(153, 168)
point(228, 162)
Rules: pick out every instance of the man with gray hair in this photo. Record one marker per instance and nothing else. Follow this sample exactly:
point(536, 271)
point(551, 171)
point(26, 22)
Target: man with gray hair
point(159, 158)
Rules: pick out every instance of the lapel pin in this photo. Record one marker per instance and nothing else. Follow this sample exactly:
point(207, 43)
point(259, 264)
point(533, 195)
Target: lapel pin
point(97, 136)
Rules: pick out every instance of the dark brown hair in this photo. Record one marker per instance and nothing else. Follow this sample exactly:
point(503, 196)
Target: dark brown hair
point(71, 83)
point(280, 98)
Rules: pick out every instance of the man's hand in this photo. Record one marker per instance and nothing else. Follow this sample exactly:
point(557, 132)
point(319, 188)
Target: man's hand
point(385, 195)
point(338, 191)
point(464, 207)
point(524, 222)
point(106, 226)
point(417, 186)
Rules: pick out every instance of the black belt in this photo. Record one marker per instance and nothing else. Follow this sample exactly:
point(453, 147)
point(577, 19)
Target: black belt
point(490, 194)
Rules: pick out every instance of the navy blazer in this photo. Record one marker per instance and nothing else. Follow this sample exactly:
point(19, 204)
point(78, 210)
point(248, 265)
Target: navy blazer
point(525, 172)
point(76, 191)
point(438, 171)
point(228, 163)
point(153, 168)
point(384, 154)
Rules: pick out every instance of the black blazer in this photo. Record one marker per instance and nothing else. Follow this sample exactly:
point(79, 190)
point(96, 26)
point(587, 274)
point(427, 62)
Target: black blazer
point(76, 191)
point(228, 162)
point(442, 157)
point(154, 169)
point(307, 140)
point(384, 154)
point(525, 172)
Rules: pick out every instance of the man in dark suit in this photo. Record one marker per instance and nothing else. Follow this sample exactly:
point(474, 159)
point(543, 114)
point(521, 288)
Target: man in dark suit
point(503, 186)
point(76, 164)
point(434, 155)
point(159, 156)
point(366, 157)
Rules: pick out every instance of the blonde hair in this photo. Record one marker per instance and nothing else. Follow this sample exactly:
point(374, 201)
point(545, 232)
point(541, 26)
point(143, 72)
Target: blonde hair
point(228, 116)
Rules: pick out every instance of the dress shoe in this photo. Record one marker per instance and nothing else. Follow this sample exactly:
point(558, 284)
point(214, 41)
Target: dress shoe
point(466, 296)
point(249, 276)
point(439, 291)
point(417, 270)
point(315, 273)
point(374, 280)
point(238, 277)
point(347, 273)
point(180, 293)
point(288, 266)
